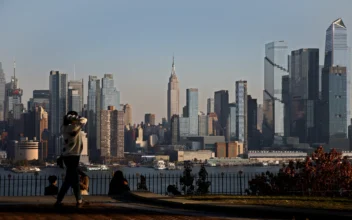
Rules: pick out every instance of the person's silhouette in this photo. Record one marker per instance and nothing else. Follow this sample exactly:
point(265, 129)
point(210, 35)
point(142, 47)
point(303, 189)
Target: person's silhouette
point(52, 189)
point(118, 184)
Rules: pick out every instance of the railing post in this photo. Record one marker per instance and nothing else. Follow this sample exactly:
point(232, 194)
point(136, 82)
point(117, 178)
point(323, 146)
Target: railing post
point(222, 182)
point(9, 186)
point(35, 184)
point(240, 173)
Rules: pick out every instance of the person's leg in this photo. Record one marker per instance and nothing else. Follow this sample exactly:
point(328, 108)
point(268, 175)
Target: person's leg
point(67, 182)
point(75, 179)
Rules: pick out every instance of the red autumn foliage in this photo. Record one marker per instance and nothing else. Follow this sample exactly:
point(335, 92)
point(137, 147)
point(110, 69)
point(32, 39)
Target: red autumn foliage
point(322, 174)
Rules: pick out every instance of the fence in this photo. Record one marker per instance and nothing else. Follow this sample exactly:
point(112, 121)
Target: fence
point(34, 184)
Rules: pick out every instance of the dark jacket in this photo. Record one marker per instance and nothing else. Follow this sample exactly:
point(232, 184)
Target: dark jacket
point(51, 190)
point(118, 186)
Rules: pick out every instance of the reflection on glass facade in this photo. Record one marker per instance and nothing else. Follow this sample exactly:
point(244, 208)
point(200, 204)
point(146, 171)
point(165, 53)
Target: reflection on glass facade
point(210, 105)
point(2, 93)
point(275, 66)
point(58, 100)
point(336, 53)
point(110, 96)
point(192, 109)
point(241, 112)
point(93, 106)
point(334, 99)
point(304, 87)
point(221, 108)
point(231, 123)
point(184, 126)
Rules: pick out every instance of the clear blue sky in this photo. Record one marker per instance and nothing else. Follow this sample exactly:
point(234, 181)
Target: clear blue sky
point(215, 42)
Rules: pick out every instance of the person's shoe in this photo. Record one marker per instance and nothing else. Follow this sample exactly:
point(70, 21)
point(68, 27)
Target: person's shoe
point(79, 205)
point(58, 204)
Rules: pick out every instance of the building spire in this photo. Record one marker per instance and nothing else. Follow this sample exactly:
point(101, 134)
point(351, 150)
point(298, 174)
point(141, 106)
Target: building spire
point(173, 71)
point(14, 74)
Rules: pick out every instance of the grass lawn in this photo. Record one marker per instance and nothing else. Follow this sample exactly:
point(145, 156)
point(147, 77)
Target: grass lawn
point(286, 201)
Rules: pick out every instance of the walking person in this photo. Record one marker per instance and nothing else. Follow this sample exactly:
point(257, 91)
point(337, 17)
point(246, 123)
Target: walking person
point(73, 146)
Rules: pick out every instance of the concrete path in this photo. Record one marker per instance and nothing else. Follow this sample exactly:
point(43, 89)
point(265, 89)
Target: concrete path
point(100, 207)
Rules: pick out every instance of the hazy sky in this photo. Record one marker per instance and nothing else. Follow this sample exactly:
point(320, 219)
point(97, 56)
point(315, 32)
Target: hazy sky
point(215, 42)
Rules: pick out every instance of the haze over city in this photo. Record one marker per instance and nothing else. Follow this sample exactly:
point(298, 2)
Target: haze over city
point(214, 43)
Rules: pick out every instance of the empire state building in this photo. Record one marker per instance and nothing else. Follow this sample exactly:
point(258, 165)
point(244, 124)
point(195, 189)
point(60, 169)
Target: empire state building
point(173, 94)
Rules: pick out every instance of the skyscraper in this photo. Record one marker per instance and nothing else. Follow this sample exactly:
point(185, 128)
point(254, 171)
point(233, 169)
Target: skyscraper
point(74, 100)
point(192, 108)
point(58, 108)
point(149, 119)
point(251, 121)
point(275, 66)
point(2, 93)
point(221, 108)
point(210, 105)
point(173, 94)
point(334, 103)
point(127, 109)
point(93, 115)
point(202, 124)
point(58, 100)
point(304, 93)
point(13, 93)
point(241, 112)
point(110, 96)
point(78, 85)
point(112, 132)
point(336, 54)
point(231, 123)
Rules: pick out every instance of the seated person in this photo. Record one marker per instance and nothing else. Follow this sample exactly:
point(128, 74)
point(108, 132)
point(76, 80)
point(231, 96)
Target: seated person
point(143, 184)
point(52, 189)
point(83, 182)
point(118, 184)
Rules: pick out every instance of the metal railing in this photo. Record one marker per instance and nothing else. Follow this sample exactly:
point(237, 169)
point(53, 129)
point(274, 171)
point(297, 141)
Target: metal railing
point(34, 184)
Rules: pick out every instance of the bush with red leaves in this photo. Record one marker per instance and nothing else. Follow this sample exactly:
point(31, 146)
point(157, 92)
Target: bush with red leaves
point(322, 174)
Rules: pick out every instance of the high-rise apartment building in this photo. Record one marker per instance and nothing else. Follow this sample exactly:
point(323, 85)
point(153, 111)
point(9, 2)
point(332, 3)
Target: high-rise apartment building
point(112, 132)
point(210, 105)
point(241, 113)
point(173, 94)
point(79, 86)
point(221, 108)
point(337, 54)
point(127, 109)
point(275, 66)
point(110, 96)
point(252, 107)
point(149, 119)
point(192, 108)
point(304, 95)
point(2, 93)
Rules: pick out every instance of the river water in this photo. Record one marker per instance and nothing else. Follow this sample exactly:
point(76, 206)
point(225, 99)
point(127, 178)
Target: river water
point(224, 180)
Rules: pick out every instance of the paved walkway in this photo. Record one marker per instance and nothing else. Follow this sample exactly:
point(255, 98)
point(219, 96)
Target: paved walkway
point(99, 207)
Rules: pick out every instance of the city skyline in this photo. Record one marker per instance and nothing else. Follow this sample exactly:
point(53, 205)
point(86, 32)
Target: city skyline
point(195, 59)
